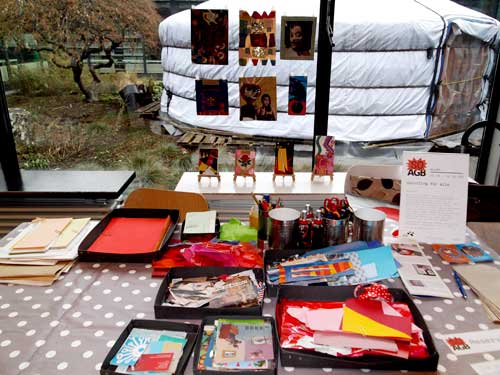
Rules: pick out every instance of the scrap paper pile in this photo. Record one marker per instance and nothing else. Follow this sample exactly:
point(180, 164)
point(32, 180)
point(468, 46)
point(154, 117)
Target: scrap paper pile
point(239, 289)
point(417, 273)
point(484, 280)
point(348, 264)
point(462, 253)
point(148, 351)
point(38, 252)
point(237, 344)
point(209, 254)
point(353, 328)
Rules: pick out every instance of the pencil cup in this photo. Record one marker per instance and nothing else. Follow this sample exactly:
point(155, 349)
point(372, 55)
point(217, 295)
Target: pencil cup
point(284, 228)
point(336, 231)
point(368, 225)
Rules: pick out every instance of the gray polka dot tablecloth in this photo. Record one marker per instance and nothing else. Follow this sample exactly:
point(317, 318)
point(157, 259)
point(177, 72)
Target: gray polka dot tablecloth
point(69, 327)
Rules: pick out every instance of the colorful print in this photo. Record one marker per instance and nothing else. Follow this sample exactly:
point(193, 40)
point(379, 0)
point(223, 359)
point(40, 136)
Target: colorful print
point(297, 92)
point(297, 38)
point(244, 164)
point(131, 351)
point(207, 165)
point(258, 98)
point(283, 158)
point(211, 97)
point(209, 36)
point(257, 37)
point(323, 155)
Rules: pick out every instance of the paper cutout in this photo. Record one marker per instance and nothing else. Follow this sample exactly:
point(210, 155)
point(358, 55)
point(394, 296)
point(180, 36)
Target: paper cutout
point(283, 158)
point(297, 96)
point(353, 340)
point(209, 36)
point(207, 164)
point(244, 163)
point(211, 97)
point(323, 155)
point(325, 319)
point(257, 38)
point(131, 351)
point(130, 235)
point(367, 318)
point(258, 98)
point(297, 38)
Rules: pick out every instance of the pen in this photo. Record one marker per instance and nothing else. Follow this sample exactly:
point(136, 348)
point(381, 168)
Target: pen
point(459, 284)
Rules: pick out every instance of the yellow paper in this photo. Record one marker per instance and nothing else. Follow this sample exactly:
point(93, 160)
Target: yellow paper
point(70, 232)
point(358, 323)
point(42, 235)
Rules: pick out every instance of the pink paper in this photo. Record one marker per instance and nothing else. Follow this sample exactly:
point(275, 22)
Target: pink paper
point(325, 319)
point(353, 340)
point(298, 313)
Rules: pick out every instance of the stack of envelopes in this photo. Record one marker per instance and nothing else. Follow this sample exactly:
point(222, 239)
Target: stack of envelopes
point(38, 252)
point(352, 328)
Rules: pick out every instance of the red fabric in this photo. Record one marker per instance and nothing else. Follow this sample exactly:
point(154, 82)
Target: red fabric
point(127, 235)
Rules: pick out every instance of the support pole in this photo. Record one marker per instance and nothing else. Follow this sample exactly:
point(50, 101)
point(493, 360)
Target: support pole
point(323, 69)
point(8, 154)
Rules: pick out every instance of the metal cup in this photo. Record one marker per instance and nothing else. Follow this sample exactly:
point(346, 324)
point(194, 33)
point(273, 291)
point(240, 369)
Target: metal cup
point(336, 231)
point(284, 228)
point(368, 225)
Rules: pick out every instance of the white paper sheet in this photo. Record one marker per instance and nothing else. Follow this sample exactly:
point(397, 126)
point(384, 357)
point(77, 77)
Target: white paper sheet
point(434, 197)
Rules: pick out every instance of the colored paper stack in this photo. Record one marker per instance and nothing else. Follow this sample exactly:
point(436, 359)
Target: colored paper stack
point(38, 252)
point(150, 351)
point(352, 328)
point(237, 344)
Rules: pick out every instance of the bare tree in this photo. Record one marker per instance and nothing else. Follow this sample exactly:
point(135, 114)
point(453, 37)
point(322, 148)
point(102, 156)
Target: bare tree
point(70, 32)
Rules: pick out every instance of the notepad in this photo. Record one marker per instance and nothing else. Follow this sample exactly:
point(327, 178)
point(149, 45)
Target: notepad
point(200, 222)
point(131, 235)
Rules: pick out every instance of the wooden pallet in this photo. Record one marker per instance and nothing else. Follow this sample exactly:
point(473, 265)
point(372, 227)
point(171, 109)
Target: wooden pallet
point(193, 140)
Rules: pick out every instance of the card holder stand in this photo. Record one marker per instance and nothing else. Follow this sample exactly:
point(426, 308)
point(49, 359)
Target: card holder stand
point(88, 256)
point(209, 320)
point(172, 312)
point(191, 336)
point(200, 237)
point(311, 359)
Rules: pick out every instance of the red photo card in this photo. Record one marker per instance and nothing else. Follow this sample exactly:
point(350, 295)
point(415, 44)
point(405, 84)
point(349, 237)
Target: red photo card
point(450, 253)
point(154, 362)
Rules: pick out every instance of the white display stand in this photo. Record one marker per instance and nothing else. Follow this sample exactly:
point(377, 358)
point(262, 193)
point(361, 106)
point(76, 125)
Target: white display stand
point(233, 198)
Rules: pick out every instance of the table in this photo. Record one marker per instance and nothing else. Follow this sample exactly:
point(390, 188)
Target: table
point(68, 328)
point(232, 198)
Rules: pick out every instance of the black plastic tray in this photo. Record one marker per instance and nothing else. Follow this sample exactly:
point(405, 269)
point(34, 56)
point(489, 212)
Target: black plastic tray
point(210, 320)
point(86, 256)
point(191, 335)
point(170, 312)
point(303, 358)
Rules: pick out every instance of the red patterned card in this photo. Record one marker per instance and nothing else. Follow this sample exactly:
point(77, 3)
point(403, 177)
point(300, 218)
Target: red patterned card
point(154, 362)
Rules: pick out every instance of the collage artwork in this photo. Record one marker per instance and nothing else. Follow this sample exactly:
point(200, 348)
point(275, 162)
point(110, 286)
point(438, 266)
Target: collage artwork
point(257, 42)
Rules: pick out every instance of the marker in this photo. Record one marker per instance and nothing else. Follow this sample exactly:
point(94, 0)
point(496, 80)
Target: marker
point(459, 284)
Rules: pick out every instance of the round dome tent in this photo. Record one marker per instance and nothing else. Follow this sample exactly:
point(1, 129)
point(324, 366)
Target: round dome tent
point(400, 69)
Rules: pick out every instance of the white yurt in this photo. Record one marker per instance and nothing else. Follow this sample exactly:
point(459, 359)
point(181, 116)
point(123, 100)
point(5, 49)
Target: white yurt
point(400, 69)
